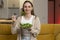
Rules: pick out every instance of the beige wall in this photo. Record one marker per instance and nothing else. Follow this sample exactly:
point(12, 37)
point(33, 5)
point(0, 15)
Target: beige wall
point(21, 3)
point(4, 10)
point(41, 10)
point(13, 3)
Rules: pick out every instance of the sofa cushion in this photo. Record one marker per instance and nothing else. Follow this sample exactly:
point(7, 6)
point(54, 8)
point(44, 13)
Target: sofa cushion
point(5, 29)
point(47, 29)
point(56, 28)
point(8, 37)
point(58, 36)
point(45, 37)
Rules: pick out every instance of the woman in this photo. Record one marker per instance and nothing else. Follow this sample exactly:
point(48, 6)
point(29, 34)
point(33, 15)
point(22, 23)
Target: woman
point(29, 17)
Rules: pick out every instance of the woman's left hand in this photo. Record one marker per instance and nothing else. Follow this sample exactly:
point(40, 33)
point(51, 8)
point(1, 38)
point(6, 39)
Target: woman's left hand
point(29, 29)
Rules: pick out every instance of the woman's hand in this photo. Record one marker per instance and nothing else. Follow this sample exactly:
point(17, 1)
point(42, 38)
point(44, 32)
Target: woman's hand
point(29, 29)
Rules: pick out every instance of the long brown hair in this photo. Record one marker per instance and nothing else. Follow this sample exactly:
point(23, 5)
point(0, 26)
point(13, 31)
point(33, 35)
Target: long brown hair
point(32, 12)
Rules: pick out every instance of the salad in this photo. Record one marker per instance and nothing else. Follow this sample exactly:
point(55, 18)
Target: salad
point(26, 25)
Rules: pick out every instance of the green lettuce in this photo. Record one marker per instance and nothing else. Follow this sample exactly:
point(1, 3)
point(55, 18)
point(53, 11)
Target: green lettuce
point(26, 25)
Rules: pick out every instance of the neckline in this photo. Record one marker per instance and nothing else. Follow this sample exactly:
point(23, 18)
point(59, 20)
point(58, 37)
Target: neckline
point(29, 18)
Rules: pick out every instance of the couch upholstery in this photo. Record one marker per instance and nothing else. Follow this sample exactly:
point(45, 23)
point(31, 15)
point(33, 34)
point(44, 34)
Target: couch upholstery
point(5, 32)
point(48, 32)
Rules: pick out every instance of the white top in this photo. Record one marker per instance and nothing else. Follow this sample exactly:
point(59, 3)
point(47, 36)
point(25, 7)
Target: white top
point(23, 20)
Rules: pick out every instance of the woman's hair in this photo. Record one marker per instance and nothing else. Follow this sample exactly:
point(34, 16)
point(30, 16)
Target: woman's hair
point(32, 12)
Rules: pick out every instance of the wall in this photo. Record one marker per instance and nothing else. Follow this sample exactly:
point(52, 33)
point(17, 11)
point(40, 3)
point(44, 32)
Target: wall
point(41, 9)
point(3, 11)
point(13, 3)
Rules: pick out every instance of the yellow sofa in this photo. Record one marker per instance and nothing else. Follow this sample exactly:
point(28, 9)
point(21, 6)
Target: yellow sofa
point(5, 32)
point(47, 32)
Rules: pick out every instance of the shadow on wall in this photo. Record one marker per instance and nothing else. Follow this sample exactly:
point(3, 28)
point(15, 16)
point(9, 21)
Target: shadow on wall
point(1, 3)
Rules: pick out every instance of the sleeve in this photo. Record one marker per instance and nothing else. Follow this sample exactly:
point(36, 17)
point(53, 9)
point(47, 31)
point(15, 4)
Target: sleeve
point(15, 26)
point(36, 29)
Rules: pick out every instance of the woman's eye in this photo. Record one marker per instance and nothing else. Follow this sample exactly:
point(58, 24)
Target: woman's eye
point(29, 6)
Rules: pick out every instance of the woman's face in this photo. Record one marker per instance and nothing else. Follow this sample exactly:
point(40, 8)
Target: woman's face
point(27, 8)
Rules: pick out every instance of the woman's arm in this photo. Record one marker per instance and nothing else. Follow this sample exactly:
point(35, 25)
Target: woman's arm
point(36, 29)
point(15, 26)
